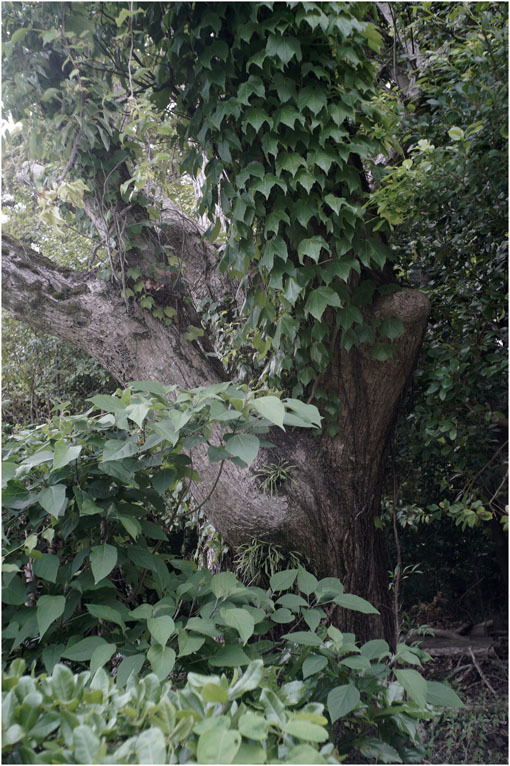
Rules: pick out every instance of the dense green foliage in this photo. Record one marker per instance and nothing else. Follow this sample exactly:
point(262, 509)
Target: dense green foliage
point(135, 654)
point(89, 499)
point(285, 163)
point(450, 195)
point(448, 203)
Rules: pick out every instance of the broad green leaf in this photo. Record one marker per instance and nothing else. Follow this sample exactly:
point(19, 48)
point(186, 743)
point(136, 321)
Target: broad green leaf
point(284, 48)
point(162, 660)
point(229, 657)
point(105, 612)
point(319, 300)
point(244, 446)
point(161, 628)
point(150, 746)
point(303, 637)
point(64, 454)
point(49, 609)
point(311, 98)
point(356, 662)
point(249, 680)
point(313, 665)
point(306, 180)
point(282, 616)
point(206, 627)
point(339, 112)
point(307, 582)
point(62, 682)
point(214, 693)
point(118, 449)
point(349, 315)
point(137, 413)
point(224, 584)
point(141, 612)
point(8, 472)
point(239, 619)
point(379, 751)
point(291, 601)
point(189, 643)
point(307, 412)
point(375, 649)
point(86, 505)
point(132, 664)
point(100, 657)
point(414, 684)
point(335, 203)
point(274, 708)
point(108, 403)
point(328, 588)
point(253, 726)
point(356, 603)
point(14, 591)
point(288, 116)
point(341, 700)
point(152, 387)
point(441, 695)
point(218, 745)
point(53, 499)
point(302, 729)
point(271, 408)
point(304, 210)
point(44, 456)
point(103, 558)
point(312, 247)
point(256, 118)
point(312, 617)
point(283, 580)
point(131, 525)
point(382, 352)
point(163, 479)
point(51, 655)
point(86, 744)
point(14, 733)
point(83, 650)
point(290, 161)
point(304, 754)
point(47, 567)
point(19, 35)
point(167, 430)
point(392, 327)
point(457, 134)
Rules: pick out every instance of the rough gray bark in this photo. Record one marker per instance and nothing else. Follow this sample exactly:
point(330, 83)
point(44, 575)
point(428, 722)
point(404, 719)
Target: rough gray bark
point(327, 512)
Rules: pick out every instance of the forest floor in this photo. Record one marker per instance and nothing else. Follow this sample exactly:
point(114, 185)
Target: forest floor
point(477, 733)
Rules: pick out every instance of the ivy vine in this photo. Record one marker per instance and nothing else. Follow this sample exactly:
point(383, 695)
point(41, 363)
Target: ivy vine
point(280, 100)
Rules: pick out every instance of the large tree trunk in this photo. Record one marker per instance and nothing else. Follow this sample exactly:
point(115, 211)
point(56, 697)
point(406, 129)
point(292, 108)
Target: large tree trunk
point(327, 511)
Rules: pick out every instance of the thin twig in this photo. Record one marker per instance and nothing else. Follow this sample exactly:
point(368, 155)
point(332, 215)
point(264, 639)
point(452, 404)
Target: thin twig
point(195, 510)
point(482, 676)
point(399, 554)
point(499, 488)
point(470, 484)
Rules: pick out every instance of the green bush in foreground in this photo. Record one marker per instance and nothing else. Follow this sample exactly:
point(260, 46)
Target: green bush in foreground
point(149, 660)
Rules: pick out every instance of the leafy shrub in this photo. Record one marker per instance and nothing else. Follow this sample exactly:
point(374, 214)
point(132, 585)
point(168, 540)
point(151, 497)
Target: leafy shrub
point(89, 501)
point(209, 720)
